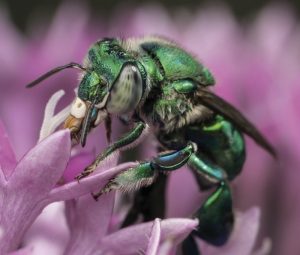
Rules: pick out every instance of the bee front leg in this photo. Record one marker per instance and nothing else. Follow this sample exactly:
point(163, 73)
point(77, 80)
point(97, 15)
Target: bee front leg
point(129, 139)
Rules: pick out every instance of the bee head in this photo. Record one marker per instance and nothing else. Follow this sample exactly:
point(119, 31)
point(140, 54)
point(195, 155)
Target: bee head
point(97, 99)
point(88, 108)
point(112, 82)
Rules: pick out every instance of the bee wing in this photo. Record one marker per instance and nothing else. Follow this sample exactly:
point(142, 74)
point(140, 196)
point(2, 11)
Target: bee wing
point(219, 105)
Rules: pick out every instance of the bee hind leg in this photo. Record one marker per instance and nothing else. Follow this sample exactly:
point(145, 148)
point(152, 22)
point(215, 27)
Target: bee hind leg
point(216, 218)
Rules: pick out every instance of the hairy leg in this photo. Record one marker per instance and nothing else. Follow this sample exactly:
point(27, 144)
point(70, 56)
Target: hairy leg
point(127, 140)
point(145, 173)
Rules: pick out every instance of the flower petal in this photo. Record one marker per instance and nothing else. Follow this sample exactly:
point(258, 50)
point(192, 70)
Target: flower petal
point(24, 251)
point(167, 248)
point(88, 222)
point(243, 237)
point(154, 238)
point(132, 239)
point(40, 169)
point(45, 237)
point(86, 185)
point(265, 248)
point(76, 165)
point(7, 157)
point(27, 188)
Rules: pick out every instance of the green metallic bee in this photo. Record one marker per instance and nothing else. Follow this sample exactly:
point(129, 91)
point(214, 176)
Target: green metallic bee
point(156, 86)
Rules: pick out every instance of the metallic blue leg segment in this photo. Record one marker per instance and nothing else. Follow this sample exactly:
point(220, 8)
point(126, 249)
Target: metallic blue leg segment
point(173, 160)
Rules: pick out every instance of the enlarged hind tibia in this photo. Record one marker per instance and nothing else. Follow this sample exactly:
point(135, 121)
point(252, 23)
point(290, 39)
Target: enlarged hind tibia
point(216, 217)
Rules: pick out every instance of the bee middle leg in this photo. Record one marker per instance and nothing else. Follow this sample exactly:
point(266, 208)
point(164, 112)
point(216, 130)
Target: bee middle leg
point(146, 172)
point(215, 215)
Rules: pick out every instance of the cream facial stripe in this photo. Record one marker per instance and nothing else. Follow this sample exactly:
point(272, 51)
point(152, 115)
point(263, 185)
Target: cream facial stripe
point(79, 108)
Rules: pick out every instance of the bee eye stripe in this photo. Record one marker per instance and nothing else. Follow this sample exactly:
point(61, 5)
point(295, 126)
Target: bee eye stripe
point(78, 109)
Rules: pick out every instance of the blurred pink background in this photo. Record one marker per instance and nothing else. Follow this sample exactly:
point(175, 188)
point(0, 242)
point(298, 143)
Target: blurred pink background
point(255, 61)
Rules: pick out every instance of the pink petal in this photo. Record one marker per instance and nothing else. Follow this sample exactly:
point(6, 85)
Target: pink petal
point(88, 223)
point(7, 157)
point(24, 251)
point(243, 237)
point(130, 240)
point(76, 165)
point(41, 168)
point(45, 237)
point(28, 187)
point(265, 248)
point(167, 248)
point(154, 238)
point(87, 185)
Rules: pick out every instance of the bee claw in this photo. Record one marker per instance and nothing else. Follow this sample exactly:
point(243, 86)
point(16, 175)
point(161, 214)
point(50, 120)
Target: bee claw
point(107, 188)
point(100, 193)
point(86, 172)
point(81, 176)
point(96, 196)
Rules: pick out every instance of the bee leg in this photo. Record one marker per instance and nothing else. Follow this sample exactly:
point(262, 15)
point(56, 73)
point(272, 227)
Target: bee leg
point(132, 179)
point(215, 216)
point(223, 144)
point(150, 201)
point(145, 173)
point(127, 140)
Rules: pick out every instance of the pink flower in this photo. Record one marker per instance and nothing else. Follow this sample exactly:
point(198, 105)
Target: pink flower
point(30, 186)
point(256, 68)
point(89, 225)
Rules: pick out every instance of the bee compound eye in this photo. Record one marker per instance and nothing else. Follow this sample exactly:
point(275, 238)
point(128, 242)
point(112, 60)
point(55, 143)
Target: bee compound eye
point(126, 92)
point(78, 109)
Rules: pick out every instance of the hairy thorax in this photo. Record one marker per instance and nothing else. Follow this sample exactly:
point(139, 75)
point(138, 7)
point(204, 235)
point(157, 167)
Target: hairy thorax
point(172, 111)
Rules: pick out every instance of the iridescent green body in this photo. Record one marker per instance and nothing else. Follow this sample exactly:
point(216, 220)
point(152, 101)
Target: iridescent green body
point(171, 105)
point(154, 85)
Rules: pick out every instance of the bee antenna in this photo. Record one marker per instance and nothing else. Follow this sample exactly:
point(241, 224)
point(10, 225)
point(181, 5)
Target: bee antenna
point(54, 71)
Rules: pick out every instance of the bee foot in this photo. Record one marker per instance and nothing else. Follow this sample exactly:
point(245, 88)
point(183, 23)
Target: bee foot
point(111, 185)
point(85, 173)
